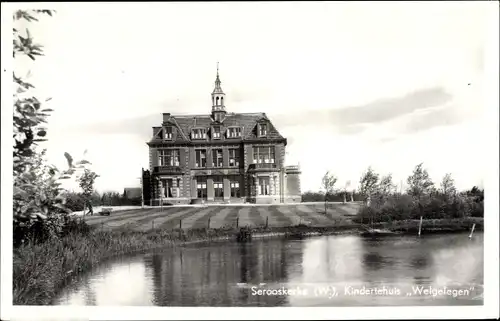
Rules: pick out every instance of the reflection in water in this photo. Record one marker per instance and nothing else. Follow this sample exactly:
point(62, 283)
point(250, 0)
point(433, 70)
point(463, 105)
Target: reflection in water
point(209, 276)
point(373, 261)
point(419, 262)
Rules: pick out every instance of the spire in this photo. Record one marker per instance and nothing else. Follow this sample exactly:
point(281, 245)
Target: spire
point(217, 88)
point(218, 97)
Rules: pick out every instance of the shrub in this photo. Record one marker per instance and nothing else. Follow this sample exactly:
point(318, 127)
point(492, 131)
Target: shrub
point(403, 207)
point(39, 203)
point(75, 202)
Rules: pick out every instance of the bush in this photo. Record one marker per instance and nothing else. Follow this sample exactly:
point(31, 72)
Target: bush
point(75, 202)
point(43, 229)
point(402, 207)
point(39, 210)
point(320, 197)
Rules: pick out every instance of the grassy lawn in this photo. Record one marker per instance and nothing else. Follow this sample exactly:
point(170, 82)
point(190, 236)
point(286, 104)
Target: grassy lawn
point(187, 217)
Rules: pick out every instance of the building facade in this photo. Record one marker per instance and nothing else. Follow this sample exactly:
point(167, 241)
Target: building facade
point(220, 157)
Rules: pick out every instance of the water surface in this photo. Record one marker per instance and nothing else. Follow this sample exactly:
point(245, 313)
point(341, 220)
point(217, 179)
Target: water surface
point(323, 271)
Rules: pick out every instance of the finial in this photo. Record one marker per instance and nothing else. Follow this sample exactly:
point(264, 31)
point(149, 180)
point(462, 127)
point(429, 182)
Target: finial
point(217, 69)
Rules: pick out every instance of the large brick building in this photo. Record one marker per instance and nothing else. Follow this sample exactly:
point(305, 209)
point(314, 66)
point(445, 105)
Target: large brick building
point(219, 157)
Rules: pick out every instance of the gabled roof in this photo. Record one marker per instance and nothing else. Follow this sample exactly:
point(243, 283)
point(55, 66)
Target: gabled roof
point(247, 121)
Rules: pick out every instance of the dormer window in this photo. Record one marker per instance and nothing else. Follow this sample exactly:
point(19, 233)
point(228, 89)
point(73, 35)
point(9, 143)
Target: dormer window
point(199, 133)
point(262, 130)
point(216, 132)
point(168, 133)
point(159, 133)
point(233, 132)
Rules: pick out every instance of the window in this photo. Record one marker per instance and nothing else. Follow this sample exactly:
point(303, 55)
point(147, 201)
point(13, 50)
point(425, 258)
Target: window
point(168, 133)
point(262, 130)
point(201, 187)
point(233, 132)
point(218, 187)
point(168, 190)
point(263, 186)
point(199, 133)
point(235, 186)
point(264, 154)
point(234, 158)
point(201, 158)
point(169, 157)
point(217, 157)
point(216, 129)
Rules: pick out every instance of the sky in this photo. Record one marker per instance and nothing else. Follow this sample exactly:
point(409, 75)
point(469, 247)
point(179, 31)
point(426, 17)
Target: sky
point(351, 85)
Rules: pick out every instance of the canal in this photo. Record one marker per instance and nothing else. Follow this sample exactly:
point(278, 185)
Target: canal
point(319, 271)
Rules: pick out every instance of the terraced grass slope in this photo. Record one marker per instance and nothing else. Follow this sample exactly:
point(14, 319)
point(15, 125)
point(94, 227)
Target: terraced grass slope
point(188, 217)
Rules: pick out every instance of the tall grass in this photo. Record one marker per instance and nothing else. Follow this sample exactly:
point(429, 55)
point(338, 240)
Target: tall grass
point(41, 269)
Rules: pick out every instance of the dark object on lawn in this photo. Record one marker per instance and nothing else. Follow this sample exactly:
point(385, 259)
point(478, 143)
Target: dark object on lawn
point(106, 211)
point(244, 235)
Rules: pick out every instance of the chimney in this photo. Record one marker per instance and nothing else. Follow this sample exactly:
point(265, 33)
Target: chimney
point(166, 117)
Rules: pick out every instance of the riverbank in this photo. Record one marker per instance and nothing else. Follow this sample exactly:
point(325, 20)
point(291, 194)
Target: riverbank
point(40, 271)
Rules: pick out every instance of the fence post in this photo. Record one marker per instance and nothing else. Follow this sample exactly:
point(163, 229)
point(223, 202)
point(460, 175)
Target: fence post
point(208, 225)
point(180, 224)
point(267, 221)
point(472, 230)
point(237, 221)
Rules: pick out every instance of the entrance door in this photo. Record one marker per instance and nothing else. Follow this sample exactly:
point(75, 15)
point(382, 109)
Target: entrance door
point(218, 188)
point(201, 187)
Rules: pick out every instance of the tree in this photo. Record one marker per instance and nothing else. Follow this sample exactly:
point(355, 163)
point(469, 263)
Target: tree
point(420, 187)
point(420, 183)
point(368, 185)
point(38, 201)
point(86, 182)
point(328, 183)
point(448, 187)
point(28, 115)
point(385, 189)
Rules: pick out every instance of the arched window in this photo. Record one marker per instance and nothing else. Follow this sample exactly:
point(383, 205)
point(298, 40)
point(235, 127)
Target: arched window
point(213, 101)
point(217, 101)
point(222, 101)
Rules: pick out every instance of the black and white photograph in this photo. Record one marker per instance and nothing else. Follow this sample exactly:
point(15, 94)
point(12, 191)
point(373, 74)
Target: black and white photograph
point(173, 158)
